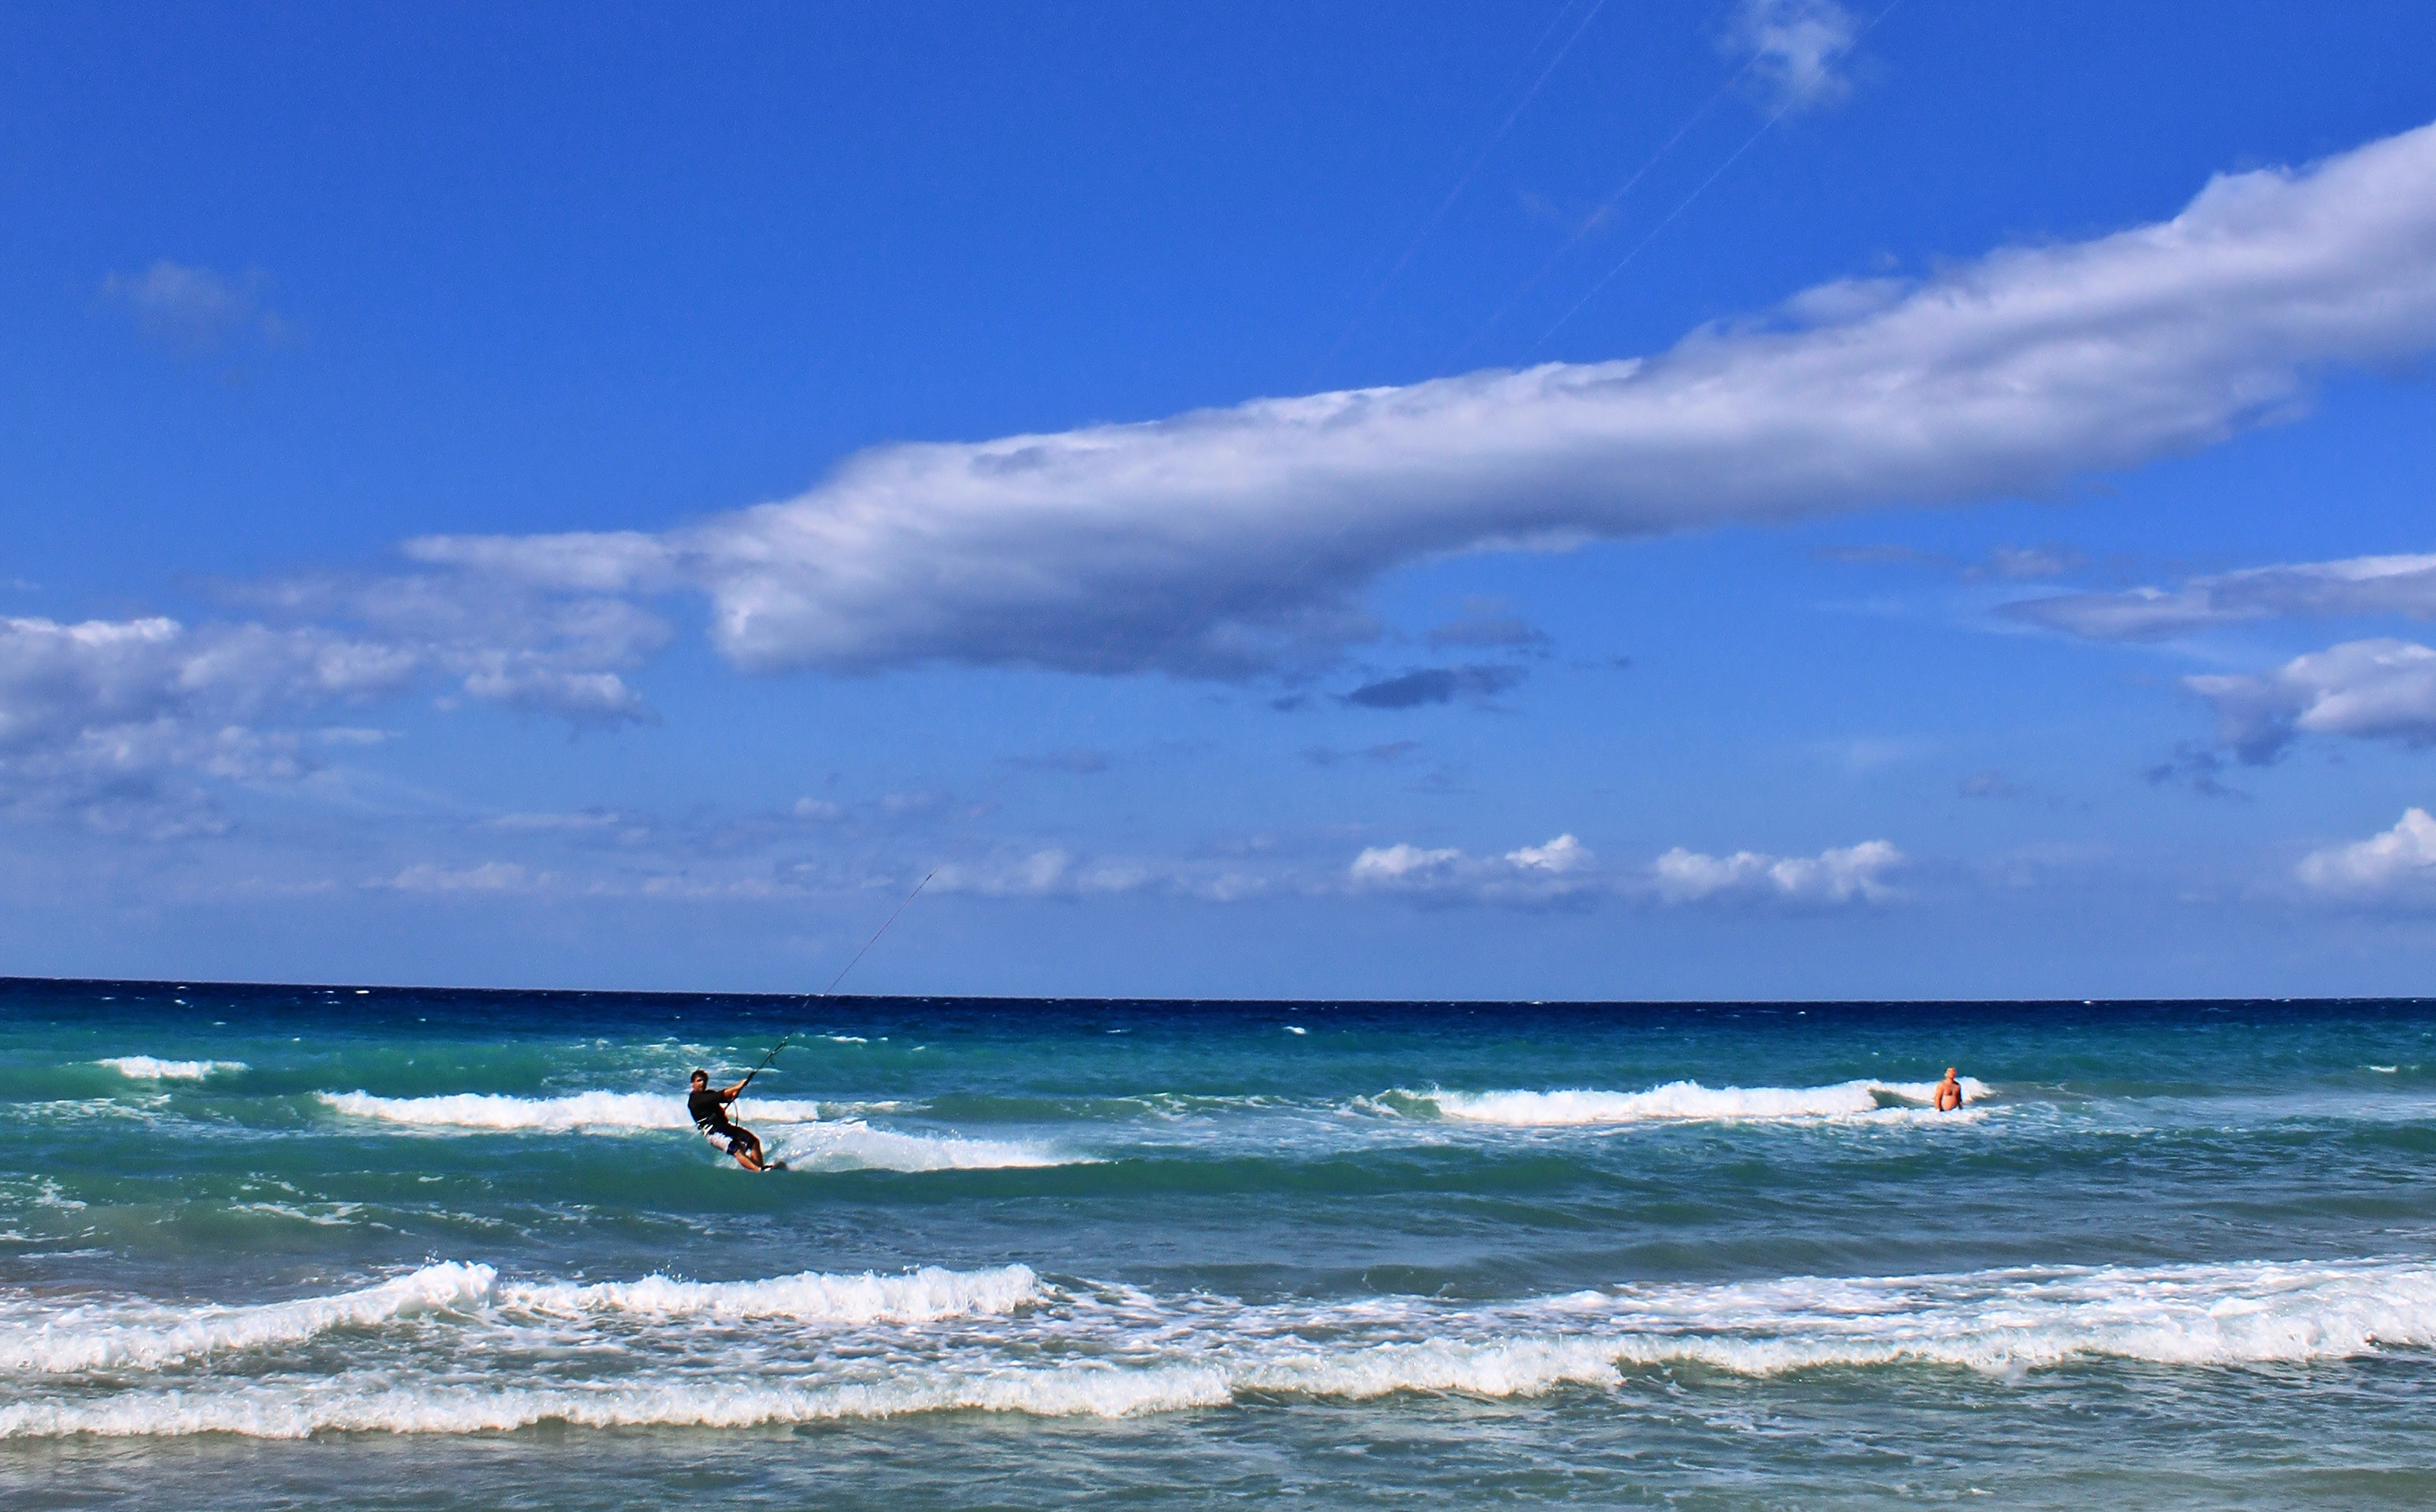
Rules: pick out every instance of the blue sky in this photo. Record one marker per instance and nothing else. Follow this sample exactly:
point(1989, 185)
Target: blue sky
point(1768, 498)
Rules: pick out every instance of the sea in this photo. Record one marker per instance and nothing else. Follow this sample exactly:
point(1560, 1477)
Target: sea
point(371, 1247)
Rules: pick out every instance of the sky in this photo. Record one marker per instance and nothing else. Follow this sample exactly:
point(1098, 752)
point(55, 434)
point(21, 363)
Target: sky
point(1746, 499)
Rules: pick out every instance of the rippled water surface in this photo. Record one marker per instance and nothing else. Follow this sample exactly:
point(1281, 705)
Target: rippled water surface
point(289, 1247)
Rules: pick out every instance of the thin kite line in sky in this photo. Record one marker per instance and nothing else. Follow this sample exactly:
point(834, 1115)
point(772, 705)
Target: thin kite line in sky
point(1461, 183)
point(1735, 156)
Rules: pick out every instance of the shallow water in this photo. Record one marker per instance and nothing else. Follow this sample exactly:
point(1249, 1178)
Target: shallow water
point(273, 1247)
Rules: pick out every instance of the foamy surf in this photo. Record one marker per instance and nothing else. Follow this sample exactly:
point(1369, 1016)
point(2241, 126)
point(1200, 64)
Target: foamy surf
point(488, 1356)
point(148, 1069)
point(919, 1296)
point(143, 1335)
point(1687, 1101)
point(576, 1113)
point(852, 1145)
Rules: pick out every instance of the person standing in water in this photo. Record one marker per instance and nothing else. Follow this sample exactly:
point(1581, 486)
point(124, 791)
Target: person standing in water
point(709, 1110)
point(1949, 1092)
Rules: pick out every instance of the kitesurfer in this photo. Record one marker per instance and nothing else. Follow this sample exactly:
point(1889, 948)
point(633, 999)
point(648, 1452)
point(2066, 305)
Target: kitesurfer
point(709, 1110)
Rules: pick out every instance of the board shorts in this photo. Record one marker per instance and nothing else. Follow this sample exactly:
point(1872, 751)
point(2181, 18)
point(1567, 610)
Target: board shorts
point(737, 1140)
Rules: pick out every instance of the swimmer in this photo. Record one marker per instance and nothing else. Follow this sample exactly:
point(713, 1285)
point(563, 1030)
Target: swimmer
point(1949, 1093)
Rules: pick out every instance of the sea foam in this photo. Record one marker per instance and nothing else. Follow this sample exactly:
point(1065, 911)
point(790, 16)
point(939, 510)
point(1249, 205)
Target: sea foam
point(806, 1139)
point(1687, 1100)
point(1003, 1340)
point(143, 1336)
point(146, 1068)
point(579, 1112)
point(138, 1335)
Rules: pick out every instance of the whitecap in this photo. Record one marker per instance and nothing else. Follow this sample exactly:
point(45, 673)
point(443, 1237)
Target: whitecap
point(919, 1296)
point(579, 1112)
point(1003, 1340)
point(90, 1338)
point(851, 1145)
point(146, 1068)
point(1686, 1101)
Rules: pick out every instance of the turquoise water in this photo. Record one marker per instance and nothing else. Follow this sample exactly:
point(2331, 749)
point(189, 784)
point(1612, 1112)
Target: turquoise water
point(289, 1247)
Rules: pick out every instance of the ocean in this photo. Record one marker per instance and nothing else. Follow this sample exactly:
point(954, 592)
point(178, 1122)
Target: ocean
point(373, 1248)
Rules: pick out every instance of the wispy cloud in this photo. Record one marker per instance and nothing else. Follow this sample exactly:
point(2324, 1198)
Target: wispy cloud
point(1437, 684)
point(1798, 49)
point(2402, 584)
point(196, 309)
point(1565, 870)
point(1229, 542)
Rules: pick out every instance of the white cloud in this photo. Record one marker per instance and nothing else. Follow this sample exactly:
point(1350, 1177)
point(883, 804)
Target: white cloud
point(2404, 585)
point(1846, 875)
point(1228, 542)
point(195, 308)
point(2400, 862)
point(490, 877)
point(2368, 690)
point(1056, 872)
point(1798, 49)
point(1398, 865)
point(1558, 857)
point(1562, 869)
point(94, 717)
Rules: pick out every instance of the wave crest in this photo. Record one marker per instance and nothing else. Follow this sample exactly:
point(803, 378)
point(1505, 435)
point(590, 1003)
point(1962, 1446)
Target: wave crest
point(576, 1113)
point(146, 1068)
point(1686, 1101)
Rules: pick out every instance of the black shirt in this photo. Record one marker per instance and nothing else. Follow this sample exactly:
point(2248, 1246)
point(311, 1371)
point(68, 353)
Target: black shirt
point(709, 1111)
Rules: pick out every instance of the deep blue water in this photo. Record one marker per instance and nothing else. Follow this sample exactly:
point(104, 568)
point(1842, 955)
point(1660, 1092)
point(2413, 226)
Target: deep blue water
point(285, 1246)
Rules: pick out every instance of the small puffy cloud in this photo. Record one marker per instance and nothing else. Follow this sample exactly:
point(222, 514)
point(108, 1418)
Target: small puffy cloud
point(490, 877)
point(1556, 858)
point(2403, 585)
point(1437, 685)
point(2381, 690)
point(2399, 864)
point(1055, 873)
point(1852, 874)
point(1226, 543)
point(1798, 49)
point(1558, 870)
point(1399, 864)
point(194, 309)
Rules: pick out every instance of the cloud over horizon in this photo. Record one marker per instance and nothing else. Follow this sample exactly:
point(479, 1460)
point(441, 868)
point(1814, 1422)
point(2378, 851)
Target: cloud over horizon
point(1233, 542)
point(2395, 584)
point(2395, 865)
point(2381, 689)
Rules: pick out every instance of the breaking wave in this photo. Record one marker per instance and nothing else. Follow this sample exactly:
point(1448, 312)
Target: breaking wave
point(580, 1112)
point(145, 1069)
point(143, 1336)
point(851, 1145)
point(1684, 1101)
point(804, 1139)
point(451, 1348)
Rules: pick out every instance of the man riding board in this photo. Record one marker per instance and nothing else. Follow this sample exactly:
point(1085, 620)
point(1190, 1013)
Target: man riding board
point(709, 1110)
